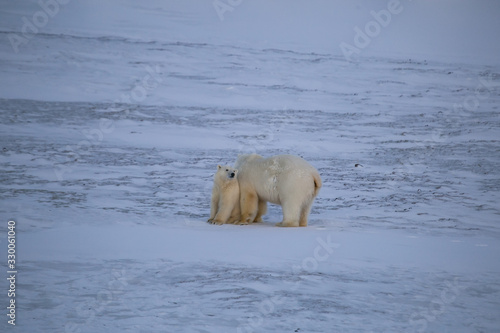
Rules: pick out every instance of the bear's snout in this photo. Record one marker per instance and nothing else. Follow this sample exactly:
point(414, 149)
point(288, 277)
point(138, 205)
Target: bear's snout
point(232, 174)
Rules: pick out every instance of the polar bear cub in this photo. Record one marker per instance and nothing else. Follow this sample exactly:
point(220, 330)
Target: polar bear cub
point(285, 180)
point(225, 205)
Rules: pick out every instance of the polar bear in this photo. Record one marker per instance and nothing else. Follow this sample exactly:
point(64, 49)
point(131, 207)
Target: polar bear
point(285, 180)
point(225, 205)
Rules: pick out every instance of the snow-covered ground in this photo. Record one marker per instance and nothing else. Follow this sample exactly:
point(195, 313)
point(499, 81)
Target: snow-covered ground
point(115, 115)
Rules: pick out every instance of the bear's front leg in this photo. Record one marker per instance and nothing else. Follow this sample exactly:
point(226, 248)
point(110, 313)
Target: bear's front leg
point(249, 206)
point(262, 210)
point(214, 205)
point(222, 215)
point(236, 213)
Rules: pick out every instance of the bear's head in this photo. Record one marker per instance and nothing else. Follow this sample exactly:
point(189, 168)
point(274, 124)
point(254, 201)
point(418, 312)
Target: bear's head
point(227, 171)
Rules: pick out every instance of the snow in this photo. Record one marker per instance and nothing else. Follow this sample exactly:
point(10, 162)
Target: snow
point(115, 115)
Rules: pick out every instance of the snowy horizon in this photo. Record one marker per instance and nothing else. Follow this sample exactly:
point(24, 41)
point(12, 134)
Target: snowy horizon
point(460, 31)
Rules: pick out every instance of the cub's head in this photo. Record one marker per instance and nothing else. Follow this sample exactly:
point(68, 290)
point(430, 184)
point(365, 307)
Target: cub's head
point(226, 172)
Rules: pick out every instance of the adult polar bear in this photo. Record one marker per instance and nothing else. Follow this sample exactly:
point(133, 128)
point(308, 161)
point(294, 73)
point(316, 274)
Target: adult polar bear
point(284, 180)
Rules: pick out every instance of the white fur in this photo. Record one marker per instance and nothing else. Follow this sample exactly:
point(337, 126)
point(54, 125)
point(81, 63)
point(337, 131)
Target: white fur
point(284, 180)
point(225, 205)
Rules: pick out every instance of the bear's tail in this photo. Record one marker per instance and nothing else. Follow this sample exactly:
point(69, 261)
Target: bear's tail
point(317, 183)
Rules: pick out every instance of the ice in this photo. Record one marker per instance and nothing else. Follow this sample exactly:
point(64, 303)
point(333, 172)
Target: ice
point(115, 115)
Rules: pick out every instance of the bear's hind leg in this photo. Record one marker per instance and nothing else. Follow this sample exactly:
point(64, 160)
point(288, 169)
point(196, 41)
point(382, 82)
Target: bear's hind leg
point(291, 215)
point(304, 213)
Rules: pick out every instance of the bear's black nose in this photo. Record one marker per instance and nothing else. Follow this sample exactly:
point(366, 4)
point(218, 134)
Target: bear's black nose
point(232, 175)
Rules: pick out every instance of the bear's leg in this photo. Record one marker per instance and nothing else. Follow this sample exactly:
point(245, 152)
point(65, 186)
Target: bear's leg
point(304, 213)
point(262, 210)
point(249, 206)
point(291, 214)
point(214, 205)
point(236, 213)
point(223, 214)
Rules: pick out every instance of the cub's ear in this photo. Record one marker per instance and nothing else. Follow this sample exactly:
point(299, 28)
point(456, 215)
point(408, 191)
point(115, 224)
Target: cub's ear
point(235, 170)
point(219, 166)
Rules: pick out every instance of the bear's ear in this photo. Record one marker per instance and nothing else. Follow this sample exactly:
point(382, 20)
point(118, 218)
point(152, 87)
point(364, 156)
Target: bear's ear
point(218, 167)
point(235, 170)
